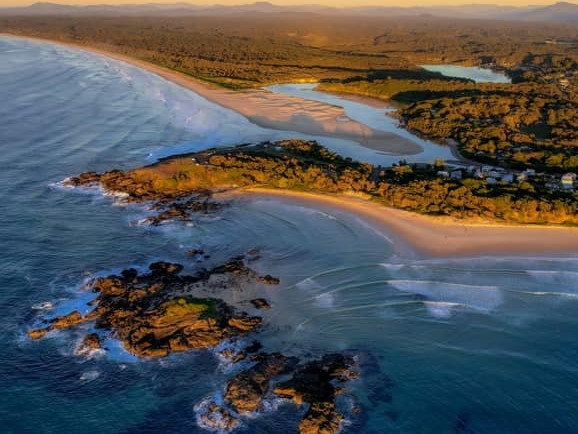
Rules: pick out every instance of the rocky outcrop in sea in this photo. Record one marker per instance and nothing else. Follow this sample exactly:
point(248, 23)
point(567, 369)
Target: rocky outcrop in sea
point(159, 312)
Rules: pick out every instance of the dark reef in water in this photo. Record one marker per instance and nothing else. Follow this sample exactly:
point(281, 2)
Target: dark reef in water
point(315, 384)
point(163, 311)
point(160, 312)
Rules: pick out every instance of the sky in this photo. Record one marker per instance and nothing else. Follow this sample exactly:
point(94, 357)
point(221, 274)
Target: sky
point(338, 3)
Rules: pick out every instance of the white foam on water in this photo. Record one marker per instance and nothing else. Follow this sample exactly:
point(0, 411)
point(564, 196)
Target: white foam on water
point(326, 215)
point(115, 194)
point(373, 229)
point(45, 305)
point(78, 302)
point(88, 353)
point(226, 353)
point(212, 420)
point(394, 267)
point(88, 189)
point(89, 376)
point(122, 71)
point(308, 285)
point(440, 309)
point(325, 300)
point(478, 297)
point(569, 295)
point(553, 280)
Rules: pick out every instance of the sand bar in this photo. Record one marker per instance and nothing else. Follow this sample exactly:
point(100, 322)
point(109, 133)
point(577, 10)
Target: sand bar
point(439, 236)
point(432, 236)
point(275, 111)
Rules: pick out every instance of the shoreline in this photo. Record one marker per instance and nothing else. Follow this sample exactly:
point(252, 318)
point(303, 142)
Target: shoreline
point(437, 236)
point(269, 110)
point(430, 235)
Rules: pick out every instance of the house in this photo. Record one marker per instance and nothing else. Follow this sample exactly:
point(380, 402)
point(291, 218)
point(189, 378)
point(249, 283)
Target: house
point(443, 174)
point(530, 172)
point(456, 174)
point(494, 174)
point(553, 186)
point(568, 180)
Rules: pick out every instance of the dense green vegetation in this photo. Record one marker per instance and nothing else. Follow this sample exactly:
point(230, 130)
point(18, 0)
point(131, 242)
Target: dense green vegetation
point(531, 123)
point(519, 130)
point(307, 166)
point(255, 49)
point(403, 90)
point(203, 308)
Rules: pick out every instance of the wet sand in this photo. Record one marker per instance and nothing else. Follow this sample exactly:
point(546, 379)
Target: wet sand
point(433, 236)
point(275, 111)
point(438, 236)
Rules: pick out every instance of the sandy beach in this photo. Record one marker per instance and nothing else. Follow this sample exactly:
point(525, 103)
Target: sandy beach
point(432, 236)
point(275, 111)
point(438, 236)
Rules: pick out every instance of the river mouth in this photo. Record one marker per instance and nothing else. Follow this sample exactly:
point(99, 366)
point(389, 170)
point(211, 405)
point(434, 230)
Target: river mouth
point(375, 116)
point(485, 342)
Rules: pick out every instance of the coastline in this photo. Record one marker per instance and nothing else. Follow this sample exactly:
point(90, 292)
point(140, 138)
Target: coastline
point(437, 236)
point(429, 235)
point(270, 110)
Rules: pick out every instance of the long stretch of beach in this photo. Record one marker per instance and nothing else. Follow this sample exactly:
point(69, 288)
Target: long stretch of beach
point(275, 111)
point(431, 236)
point(438, 236)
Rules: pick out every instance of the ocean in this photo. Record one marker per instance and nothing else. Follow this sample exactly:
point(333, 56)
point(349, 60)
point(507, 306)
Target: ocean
point(456, 345)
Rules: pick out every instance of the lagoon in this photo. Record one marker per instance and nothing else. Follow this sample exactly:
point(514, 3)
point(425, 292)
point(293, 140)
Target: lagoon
point(377, 117)
point(466, 344)
point(479, 75)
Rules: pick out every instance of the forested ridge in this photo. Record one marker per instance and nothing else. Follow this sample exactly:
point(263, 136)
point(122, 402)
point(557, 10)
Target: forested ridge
point(246, 50)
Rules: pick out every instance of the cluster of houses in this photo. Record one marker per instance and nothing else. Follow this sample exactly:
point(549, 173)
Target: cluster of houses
point(493, 175)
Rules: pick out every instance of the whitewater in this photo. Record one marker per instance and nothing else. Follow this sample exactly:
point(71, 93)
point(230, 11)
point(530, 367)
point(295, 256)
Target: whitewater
point(469, 344)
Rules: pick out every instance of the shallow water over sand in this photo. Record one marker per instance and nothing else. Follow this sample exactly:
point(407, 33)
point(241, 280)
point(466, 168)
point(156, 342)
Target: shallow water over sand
point(375, 117)
point(481, 345)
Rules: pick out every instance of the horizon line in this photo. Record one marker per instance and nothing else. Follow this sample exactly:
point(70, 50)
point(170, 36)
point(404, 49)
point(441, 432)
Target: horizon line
point(322, 3)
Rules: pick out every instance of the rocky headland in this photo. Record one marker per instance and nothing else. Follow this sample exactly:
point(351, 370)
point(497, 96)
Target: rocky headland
point(183, 184)
point(162, 310)
point(167, 205)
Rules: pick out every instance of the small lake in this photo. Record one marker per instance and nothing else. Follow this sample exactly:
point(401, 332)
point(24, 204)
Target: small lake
point(479, 75)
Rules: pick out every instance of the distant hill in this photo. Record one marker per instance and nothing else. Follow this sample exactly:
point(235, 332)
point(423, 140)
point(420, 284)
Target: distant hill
point(563, 12)
point(464, 11)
